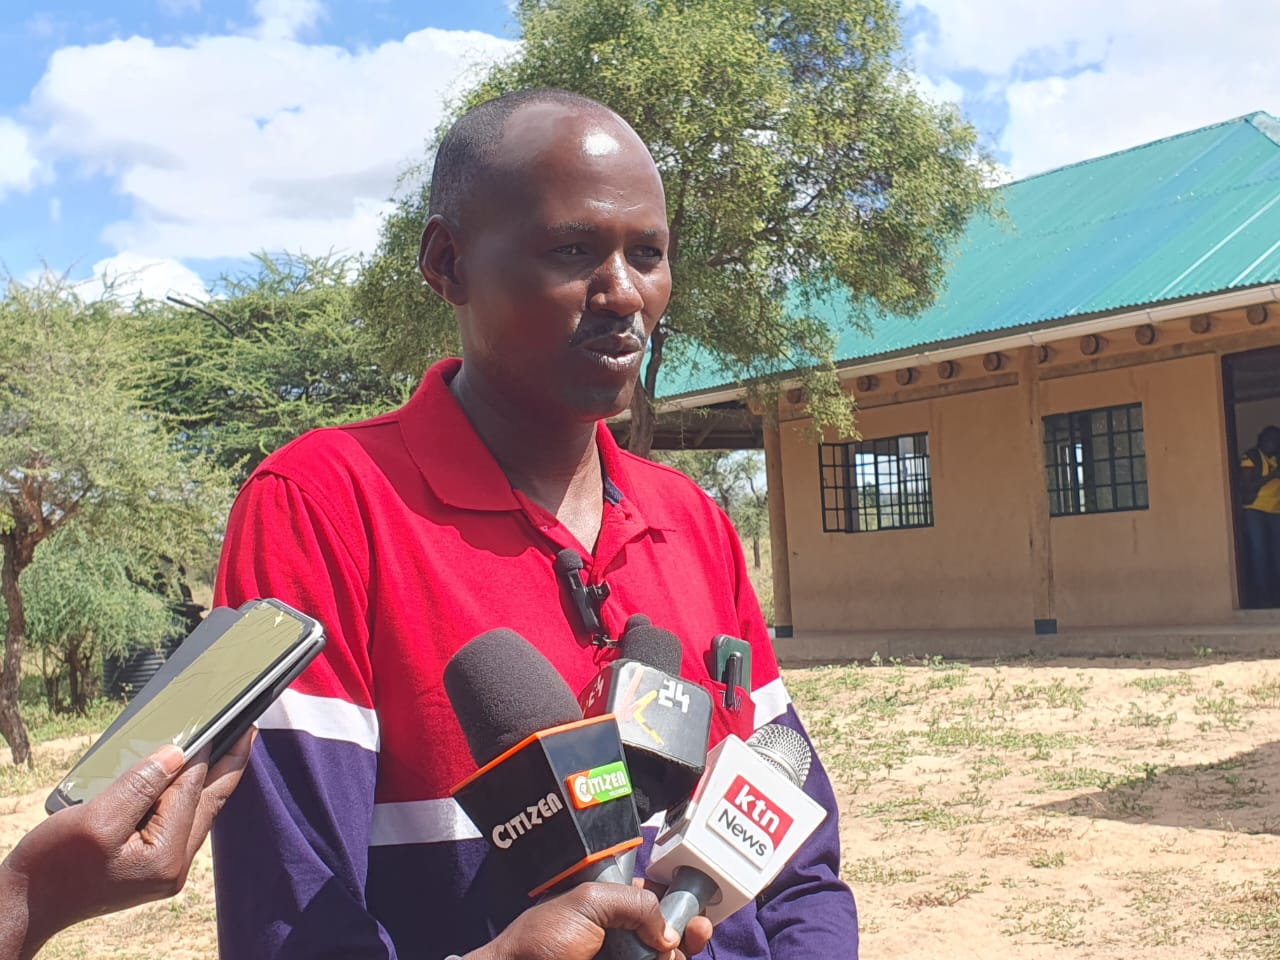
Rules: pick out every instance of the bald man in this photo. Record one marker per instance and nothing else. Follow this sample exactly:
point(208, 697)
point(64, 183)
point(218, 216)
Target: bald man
point(412, 533)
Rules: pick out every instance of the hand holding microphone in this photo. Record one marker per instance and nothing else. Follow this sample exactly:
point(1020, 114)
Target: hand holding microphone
point(554, 799)
point(573, 926)
point(748, 817)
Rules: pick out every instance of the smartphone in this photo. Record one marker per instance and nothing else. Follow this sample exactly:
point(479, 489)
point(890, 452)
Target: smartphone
point(732, 666)
point(217, 682)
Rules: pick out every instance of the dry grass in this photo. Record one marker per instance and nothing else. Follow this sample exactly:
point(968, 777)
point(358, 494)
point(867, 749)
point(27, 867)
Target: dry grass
point(1105, 808)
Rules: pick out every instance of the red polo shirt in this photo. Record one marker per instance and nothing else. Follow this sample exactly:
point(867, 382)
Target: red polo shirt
point(403, 536)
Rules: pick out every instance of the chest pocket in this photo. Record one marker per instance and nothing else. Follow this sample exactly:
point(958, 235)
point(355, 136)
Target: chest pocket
point(726, 720)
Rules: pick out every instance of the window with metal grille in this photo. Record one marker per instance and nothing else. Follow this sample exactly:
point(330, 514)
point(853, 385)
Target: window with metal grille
point(1096, 461)
point(876, 484)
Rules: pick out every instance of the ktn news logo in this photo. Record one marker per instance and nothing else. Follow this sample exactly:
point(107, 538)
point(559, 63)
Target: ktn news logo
point(753, 824)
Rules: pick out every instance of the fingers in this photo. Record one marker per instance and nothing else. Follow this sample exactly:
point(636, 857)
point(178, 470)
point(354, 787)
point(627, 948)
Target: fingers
point(697, 935)
point(175, 812)
point(122, 805)
point(233, 762)
point(221, 781)
point(612, 906)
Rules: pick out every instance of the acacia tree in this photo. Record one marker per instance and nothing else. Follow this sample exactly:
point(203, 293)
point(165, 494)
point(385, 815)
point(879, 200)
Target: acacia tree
point(281, 350)
point(78, 447)
point(800, 165)
point(81, 602)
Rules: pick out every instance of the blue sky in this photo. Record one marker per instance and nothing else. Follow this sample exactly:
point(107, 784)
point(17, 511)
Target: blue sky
point(176, 137)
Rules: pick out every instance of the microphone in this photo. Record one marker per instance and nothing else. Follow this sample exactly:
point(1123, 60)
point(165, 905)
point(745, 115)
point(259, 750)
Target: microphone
point(553, 795)
point(587, 599)
point(747, 818)
point(664, 721)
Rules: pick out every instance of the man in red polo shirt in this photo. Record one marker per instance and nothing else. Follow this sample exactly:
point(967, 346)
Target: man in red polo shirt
point(412, 533)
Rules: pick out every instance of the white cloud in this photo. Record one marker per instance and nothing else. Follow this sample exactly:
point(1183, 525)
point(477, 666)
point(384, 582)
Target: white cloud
point(284, 19)
point(234, 144)
point(129, 275)
point(991, 36)
point(942, 90)
point(1094, 76)
point(18, 163)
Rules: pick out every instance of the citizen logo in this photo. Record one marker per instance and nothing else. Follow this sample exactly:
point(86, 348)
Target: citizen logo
point(752, 823)
point(598, 785)
point(505, 834)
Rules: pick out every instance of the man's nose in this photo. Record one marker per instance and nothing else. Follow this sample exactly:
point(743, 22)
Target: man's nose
point(614, 289)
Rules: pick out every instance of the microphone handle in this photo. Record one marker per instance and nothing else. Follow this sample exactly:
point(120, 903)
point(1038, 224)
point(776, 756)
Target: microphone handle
point(619, 868)
point(690, 892)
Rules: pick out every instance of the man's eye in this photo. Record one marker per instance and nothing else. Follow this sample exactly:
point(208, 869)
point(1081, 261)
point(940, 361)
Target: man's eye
point(572, 250)
point(648, 253)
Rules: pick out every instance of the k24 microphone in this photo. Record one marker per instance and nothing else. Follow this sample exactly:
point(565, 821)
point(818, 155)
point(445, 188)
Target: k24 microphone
point(664, 721)
point(553, 795)
point(747, 818)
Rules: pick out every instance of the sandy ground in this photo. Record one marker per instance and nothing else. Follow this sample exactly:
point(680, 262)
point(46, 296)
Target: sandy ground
point(1096, 808)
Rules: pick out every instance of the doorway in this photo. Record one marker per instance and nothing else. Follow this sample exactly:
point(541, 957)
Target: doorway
point(1252, 384)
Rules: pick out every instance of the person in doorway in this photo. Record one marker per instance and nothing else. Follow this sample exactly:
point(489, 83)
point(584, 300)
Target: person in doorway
point(1260, 493)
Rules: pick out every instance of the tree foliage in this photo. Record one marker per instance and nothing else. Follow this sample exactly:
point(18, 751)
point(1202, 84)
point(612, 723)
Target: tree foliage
point(282, 350)
point(83, 602)
point(736, 480)
point(80, 448)
point(799, 160)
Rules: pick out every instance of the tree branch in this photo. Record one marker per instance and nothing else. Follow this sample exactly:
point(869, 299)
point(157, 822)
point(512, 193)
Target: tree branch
point(199, 309)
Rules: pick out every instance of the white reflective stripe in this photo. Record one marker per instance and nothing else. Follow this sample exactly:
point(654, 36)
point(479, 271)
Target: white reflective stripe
point(420, 821)
point(326, 717)
point(656, 821)
point(771, 702)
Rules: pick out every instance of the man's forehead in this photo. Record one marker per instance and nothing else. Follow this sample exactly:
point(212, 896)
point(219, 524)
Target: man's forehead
point(539, 130)
point(558, 163)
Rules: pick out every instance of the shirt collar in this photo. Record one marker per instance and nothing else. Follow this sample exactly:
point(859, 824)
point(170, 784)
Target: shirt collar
point(463, 473)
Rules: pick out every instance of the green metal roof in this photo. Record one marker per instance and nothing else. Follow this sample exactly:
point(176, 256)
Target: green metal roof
point(1194, 214)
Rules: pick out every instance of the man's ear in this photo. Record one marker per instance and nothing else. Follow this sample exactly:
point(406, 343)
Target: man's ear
point(438, 260)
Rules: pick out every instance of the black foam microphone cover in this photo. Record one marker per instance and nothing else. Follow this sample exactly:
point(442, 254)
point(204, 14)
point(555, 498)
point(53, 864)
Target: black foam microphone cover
point(503, 690)
point(653, 647)
point(568, 560)
point(636, 620)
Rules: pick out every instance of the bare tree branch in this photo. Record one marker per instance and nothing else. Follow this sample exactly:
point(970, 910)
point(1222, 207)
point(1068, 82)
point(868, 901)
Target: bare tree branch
point(199, 309)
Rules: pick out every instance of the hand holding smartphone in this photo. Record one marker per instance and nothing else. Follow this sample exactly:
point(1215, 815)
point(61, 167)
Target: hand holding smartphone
point(210, 691)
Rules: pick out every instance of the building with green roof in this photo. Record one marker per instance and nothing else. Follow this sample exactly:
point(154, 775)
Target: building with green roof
point(1054, 445)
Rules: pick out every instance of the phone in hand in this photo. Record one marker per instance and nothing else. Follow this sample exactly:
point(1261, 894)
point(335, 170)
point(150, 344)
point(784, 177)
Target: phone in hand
point(217, 682)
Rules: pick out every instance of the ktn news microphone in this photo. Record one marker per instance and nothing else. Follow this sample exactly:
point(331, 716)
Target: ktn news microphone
point(664, 720)
point(552, 794)
point(748, 817)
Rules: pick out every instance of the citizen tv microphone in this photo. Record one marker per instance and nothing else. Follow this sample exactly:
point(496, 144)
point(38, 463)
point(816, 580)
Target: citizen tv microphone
point(664, 720)
point(552, 795)
point(747, 818)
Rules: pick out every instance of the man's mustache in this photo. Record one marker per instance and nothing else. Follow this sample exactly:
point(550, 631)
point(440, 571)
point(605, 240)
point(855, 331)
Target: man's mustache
point(589, 330)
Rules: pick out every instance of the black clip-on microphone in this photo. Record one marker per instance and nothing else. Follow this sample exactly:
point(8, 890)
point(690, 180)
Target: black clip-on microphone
point(587, 598)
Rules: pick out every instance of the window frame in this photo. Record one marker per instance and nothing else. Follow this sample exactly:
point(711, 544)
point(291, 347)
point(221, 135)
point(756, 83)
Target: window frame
point(1076, 484)
point(844, 470)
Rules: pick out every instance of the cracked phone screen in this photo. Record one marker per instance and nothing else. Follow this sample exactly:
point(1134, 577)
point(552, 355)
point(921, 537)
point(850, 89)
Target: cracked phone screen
point(185, 707)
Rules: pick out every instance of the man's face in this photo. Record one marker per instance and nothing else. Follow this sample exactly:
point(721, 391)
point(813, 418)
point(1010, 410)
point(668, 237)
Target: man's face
point(563, 261)
point(1269, 443)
